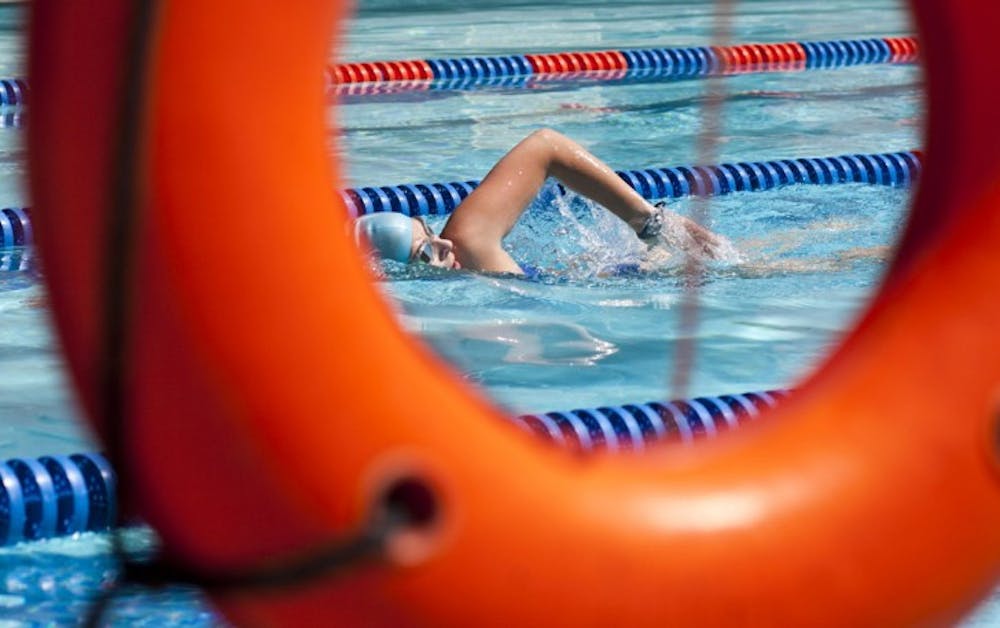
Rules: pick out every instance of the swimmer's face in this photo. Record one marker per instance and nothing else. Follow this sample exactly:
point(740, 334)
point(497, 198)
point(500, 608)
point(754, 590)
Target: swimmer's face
point(429, 248)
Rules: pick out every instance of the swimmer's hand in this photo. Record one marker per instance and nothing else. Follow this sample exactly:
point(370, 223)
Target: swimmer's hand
point(700, 241)
point(677, 233)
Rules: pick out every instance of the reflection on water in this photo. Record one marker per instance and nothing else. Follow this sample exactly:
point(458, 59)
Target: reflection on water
point(553, 344)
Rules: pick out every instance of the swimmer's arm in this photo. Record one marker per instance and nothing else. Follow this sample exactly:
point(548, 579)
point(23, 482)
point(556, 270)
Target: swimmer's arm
point(480, 223)
point(487, 257)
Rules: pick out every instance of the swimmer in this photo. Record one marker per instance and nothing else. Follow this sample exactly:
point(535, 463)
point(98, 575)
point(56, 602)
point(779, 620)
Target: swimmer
point(473, 236)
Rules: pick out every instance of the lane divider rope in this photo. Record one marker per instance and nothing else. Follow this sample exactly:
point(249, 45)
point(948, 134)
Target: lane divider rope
point(891, 169)
point(632, 427)
point(623, 63)
point(54, 496)
point(13, 91)
point(15, 227)
point(687, 61)
point(428, 199)
point(423, 199)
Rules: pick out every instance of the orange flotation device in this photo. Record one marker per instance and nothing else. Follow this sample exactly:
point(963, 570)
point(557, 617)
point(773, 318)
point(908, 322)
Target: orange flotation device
point(258, 427)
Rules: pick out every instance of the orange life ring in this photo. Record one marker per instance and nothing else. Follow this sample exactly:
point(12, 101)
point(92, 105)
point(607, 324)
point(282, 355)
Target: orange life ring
point(870, 497)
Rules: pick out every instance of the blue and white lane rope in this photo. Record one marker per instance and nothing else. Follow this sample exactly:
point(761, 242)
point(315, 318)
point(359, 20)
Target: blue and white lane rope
point(892, 169)
point(55, 496)
point(421, 199)
point(13, 91)
point(633, 426)
point(15, 227)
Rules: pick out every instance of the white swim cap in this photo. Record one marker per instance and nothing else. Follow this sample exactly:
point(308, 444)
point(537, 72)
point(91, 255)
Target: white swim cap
point(389, 233)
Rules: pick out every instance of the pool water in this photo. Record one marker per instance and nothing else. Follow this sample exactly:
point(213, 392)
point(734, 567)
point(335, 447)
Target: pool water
point(579, 336)
point(589, 339)
point(812, 255)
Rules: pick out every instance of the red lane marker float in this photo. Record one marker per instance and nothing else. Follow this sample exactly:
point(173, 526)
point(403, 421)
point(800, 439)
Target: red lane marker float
point(754, 57)
point(373, 71)
point(578, 62)
point(903, 48)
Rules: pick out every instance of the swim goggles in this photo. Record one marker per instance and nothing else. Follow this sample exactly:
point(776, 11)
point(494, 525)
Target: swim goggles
point(424, 252)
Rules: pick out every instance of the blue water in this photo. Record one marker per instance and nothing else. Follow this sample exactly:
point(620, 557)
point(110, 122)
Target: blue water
point(812, 255)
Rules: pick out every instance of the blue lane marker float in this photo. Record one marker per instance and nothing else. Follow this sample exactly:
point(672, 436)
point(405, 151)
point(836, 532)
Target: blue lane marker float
point(889, 169)
point(438, 199)
point(632, 427)
point(13, 91)
point(15, 227)
point(54, 496)
point(480, 67)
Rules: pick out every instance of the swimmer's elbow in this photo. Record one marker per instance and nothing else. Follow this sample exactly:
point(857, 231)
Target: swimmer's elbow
point(473, 237)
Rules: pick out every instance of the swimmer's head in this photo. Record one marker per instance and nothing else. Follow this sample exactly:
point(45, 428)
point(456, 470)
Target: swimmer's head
point(404, 239)
point(389, 233)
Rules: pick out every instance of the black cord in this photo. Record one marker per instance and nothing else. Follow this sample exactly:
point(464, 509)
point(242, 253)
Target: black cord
point(119, 262)
point(409, 502)
point(369, 543)
point(289, 571)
